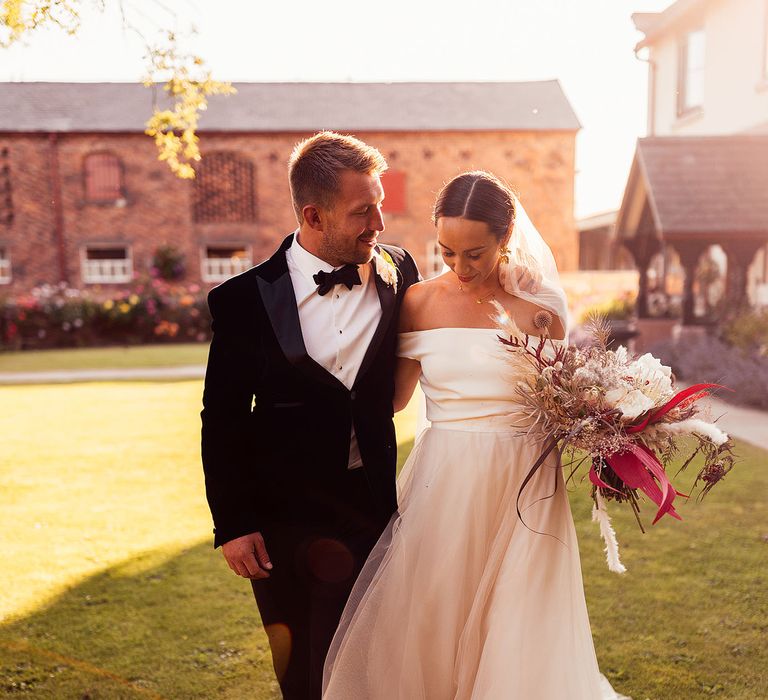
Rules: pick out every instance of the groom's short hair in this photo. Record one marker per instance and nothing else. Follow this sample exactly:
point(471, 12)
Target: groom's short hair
point(316, 162)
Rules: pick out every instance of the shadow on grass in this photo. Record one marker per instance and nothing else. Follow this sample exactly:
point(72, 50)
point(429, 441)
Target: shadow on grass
point(161, 625)
point(181, 626)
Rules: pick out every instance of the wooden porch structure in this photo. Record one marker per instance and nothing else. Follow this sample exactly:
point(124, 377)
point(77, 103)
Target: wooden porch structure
point(690, 193)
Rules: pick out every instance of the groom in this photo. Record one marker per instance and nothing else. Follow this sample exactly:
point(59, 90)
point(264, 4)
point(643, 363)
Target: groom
point(298, 443)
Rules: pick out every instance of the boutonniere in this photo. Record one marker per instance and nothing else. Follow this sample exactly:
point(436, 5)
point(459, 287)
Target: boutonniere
point(385, 268)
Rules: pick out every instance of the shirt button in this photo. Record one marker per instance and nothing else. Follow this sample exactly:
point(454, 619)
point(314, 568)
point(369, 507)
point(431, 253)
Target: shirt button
point(341, 331)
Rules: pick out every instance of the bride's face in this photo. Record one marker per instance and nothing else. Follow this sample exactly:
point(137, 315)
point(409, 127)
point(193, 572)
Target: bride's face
point(469, 249)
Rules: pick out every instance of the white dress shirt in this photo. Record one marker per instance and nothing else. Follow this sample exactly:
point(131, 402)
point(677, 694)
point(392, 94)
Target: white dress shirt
point(337, 328)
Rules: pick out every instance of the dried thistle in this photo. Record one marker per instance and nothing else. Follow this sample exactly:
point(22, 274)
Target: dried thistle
point(542, 320)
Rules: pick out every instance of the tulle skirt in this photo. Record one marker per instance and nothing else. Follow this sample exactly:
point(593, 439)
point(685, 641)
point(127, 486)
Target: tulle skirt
point(461, 598)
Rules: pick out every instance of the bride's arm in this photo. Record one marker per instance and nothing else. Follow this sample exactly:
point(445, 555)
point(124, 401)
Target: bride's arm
point(406, 376)
point(407, 370)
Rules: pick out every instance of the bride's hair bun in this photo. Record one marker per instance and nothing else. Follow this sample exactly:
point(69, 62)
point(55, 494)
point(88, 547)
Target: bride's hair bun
point(479, 196)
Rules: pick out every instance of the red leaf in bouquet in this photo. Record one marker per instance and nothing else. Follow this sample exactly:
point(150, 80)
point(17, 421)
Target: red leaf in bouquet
point(594, 477)
point(633, 469)
point(681, 396)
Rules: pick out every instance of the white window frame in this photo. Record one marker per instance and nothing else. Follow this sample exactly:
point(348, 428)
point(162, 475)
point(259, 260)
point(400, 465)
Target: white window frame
point(221, 269)
point(435, 262)
point(5, 265)
point(109, 271)
point(686, 71)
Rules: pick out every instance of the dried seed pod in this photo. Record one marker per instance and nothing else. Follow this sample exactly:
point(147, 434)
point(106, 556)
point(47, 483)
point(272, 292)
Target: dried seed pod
point(542, 320)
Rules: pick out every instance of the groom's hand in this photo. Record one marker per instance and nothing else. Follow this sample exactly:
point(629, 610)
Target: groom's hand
point(247, 556)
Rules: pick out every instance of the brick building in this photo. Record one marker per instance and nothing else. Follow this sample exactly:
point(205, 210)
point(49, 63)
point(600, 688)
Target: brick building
point(84, 199)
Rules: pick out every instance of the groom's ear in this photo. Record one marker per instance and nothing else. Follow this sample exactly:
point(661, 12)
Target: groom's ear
point(313, 217)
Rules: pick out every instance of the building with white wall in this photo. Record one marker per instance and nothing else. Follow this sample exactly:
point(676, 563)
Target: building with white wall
point(697, 193)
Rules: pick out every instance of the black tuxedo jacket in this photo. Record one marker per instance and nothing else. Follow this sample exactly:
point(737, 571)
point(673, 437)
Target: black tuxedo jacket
point(275, 424)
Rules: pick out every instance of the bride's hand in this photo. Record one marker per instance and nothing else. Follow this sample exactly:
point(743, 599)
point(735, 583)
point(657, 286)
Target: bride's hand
point(520, 277)
point(247, 556)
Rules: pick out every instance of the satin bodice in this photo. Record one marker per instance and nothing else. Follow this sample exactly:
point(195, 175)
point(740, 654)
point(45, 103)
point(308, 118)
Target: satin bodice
point(467, 376)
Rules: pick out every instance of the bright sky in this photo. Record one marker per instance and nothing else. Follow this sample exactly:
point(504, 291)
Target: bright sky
point(586, 44)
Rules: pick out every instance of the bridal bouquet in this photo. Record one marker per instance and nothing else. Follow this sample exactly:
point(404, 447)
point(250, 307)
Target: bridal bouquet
point(621, 415)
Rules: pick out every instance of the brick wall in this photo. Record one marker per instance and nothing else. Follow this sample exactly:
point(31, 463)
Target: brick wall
point(157, 209)
point(29, 237)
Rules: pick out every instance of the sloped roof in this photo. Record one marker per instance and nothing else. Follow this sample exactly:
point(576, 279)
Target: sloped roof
point(706, 185)
point(275, 107)
point(653, 24)
point(598, 220)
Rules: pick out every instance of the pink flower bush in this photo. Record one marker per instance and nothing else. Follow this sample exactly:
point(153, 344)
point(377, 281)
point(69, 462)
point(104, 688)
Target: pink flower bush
point(146, 311)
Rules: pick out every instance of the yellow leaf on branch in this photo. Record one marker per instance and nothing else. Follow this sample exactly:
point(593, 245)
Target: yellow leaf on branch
point(186, 82)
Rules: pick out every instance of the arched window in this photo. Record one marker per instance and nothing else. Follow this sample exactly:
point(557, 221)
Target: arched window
point(103, 178)
point(224, 189)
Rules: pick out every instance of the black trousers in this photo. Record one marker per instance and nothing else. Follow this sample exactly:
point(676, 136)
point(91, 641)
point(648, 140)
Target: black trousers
point(315, 564)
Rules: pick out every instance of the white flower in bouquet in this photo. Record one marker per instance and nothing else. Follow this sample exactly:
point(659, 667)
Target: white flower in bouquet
point(638, 386)
point(652, 378)
point(593, 374)
point(631, 402)
point(620, 355)
point(608, 370)
point(585, 377)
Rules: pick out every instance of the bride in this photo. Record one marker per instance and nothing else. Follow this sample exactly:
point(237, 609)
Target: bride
point(462, 597)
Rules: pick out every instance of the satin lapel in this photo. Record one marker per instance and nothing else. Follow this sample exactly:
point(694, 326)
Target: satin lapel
point(387, 300)
point(279, 301)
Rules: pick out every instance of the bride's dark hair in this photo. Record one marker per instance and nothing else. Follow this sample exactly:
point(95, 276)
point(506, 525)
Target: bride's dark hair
point(478, 196)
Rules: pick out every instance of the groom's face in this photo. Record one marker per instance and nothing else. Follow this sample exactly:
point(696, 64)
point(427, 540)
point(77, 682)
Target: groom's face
point(354, 220)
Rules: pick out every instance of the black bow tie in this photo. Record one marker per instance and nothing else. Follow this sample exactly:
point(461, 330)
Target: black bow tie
point(326, 281)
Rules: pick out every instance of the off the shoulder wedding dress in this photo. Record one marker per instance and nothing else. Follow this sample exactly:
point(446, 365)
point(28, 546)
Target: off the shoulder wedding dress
point(460, 599)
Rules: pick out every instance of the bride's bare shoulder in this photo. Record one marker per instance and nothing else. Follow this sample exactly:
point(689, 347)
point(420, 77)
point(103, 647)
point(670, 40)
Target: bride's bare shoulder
point(525, 314)
point(419, 301)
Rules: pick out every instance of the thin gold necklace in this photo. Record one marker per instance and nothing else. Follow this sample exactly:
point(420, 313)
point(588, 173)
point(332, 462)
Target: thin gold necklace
point(482, 299)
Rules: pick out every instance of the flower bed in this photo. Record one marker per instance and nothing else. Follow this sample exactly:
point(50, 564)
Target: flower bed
point(709, 359)
point(147, 311)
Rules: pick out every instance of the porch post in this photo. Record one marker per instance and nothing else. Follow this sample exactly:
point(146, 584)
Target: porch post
point(740, 255)
point(642, 248)
point(689, 252)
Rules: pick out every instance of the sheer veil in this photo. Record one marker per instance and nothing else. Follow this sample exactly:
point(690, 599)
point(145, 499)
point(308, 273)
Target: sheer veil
point(528, 251)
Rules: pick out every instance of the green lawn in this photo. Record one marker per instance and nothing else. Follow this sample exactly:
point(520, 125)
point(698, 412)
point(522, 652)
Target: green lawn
point(110, 588)
point(170, 355)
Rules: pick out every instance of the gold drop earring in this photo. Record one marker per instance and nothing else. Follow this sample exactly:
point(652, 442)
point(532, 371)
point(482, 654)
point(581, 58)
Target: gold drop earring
point(504, 255)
